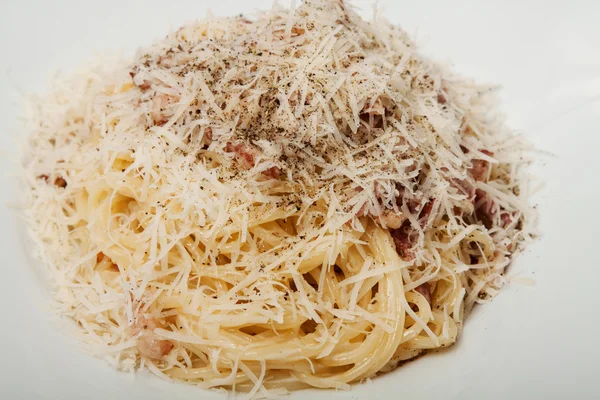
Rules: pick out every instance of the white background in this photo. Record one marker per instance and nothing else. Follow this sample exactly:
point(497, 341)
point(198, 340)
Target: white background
point(531, 342)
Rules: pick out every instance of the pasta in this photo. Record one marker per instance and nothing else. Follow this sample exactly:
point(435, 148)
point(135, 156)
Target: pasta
point(295, 200)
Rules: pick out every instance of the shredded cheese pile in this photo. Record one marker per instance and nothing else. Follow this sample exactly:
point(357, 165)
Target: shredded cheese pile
point(293, 200)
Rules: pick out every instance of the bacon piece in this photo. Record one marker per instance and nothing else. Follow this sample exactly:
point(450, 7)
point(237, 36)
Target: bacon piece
point(426, 212)
point(148, 343)
point(160, 104)
point(279, 34)
point(207, 138)
point(372, 115)
point(60, 182)
point(296, 31)
point(404, 239)
point(480, 168)
point(425, 290)
point(506, 218)
point(392, 219)
point(484, 208)
point(406, 236)
point(273, 173)
point(483, 202)
point(384, 216)
point(44, 177)
point(144, 85)
point(478, 171)
point(152, 347)
point(244, 154)
point(167, 61)
point(465, 188)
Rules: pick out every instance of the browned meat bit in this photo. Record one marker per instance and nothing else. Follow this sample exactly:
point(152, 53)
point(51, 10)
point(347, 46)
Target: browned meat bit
point(244, 154)
point(488, 153)
point(404, 239)
point(506, 218)
point(480, 169)
point(391, 219)
point(273, 173)
point(44, 177)
point(465, 129)
point(208, 137)
point(486, 210)
point(167, 61)
point(426, 212)
point(60, 182)
point(279, 34)
point(425, 290)
point(483, 202)
point(387, 218)
point(152, 347)
point(160, 113)
point(203, 141)
point(145, 85)
point(465, 188)
point(372, 116)
point(479, 172)
point(148, 343)
point(441, 98)
point(296, 31)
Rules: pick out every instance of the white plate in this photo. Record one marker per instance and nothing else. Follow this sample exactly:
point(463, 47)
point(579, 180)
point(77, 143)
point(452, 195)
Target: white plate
point(530, 342)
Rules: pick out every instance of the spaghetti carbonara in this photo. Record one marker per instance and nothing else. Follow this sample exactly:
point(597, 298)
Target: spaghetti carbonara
point(297, 199)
